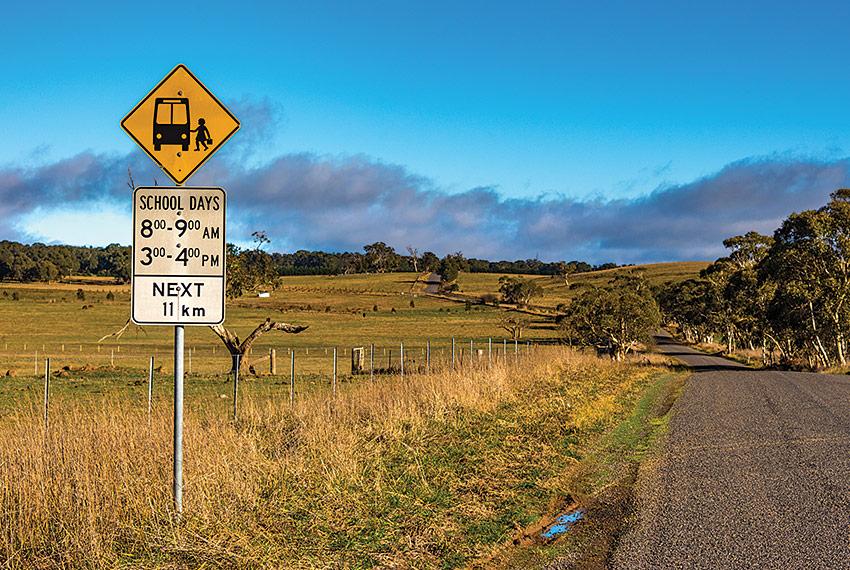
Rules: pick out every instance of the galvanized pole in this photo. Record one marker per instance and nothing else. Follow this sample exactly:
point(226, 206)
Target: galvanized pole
point(178, 419)
point(291, 378)
point(236, 388)
point(150, 389)
point(46, 391)
point(334, 378)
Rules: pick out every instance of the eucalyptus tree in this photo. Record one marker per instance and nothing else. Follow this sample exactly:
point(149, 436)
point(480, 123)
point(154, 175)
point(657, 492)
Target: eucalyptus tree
point(615, 318)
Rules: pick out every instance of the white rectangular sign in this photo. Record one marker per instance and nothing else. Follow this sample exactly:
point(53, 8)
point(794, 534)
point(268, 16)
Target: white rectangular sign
point(179, 260)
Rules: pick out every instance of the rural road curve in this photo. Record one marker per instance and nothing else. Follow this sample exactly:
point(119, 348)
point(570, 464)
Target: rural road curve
point(755, 473)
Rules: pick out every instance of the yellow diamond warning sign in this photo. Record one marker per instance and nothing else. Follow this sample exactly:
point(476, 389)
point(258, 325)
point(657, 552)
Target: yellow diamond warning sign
point(180, 124)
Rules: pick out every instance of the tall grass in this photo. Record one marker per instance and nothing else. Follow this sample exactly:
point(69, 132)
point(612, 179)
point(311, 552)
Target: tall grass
point(414, 472)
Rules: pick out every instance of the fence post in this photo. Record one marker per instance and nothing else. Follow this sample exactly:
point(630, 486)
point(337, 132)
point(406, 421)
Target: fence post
point(333, 384)
point(236, 388)
point(505, 349)
point(272, 362)
point(150, 389)
point(291, 378)
point(46, 391)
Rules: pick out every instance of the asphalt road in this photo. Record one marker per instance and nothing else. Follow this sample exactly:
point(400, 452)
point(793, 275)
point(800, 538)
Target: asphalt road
point(755, 473)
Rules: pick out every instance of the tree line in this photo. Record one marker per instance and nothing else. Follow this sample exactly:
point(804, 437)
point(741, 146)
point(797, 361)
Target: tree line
point(40, 262)
point(787, 294)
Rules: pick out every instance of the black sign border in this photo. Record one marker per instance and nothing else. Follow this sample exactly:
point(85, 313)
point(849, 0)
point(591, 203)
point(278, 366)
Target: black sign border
point(223, 257)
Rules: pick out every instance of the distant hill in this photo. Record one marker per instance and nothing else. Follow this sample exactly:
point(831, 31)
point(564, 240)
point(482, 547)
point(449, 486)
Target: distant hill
point(474, 285)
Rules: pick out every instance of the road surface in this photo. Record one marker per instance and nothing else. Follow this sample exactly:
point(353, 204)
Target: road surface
point(433, 282)
point(755, 473)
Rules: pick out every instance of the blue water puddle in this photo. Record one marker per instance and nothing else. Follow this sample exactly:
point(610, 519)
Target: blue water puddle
point(563, 523)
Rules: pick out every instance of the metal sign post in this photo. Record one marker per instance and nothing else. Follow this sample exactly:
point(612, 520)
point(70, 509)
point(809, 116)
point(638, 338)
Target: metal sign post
point(178, 419)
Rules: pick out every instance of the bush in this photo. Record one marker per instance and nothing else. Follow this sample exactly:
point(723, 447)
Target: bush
point(15, 296)
point(518, 291)
point(81, 295)
point(489, 299)
point(110, 296)
point(374, 308)
point(467, 306)
point(412, 304)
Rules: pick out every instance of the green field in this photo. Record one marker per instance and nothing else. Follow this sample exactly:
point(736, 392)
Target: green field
point(346, 311)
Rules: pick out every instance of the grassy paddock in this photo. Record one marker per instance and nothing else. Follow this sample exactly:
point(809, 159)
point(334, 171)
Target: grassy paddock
point(341, 311)
point(421, 472)
point(39, 319)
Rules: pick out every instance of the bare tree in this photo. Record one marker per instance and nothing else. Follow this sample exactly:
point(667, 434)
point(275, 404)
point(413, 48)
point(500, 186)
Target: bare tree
point(238, 348)
point(414, 256)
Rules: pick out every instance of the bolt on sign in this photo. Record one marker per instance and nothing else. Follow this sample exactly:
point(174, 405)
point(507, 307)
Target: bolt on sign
point(178, 256)
point(180, 124)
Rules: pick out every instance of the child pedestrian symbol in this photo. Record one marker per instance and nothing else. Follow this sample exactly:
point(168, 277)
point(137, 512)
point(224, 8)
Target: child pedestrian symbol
point(203, 137)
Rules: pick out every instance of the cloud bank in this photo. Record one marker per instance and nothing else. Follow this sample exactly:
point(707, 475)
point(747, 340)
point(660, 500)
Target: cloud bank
point(341, 203)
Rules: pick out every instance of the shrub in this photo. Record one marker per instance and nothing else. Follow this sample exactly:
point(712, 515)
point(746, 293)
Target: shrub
point(81, 295)
point(489, 299)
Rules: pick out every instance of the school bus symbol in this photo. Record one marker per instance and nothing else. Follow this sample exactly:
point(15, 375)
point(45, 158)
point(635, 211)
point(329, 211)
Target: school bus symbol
point(171, 122)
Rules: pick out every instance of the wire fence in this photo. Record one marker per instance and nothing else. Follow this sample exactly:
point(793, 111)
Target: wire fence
point(421, 356)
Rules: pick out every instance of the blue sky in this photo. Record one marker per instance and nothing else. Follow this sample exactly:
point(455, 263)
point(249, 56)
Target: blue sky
point(588, 102)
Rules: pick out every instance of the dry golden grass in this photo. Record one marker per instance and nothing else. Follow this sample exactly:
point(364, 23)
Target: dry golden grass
point(420, 472)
